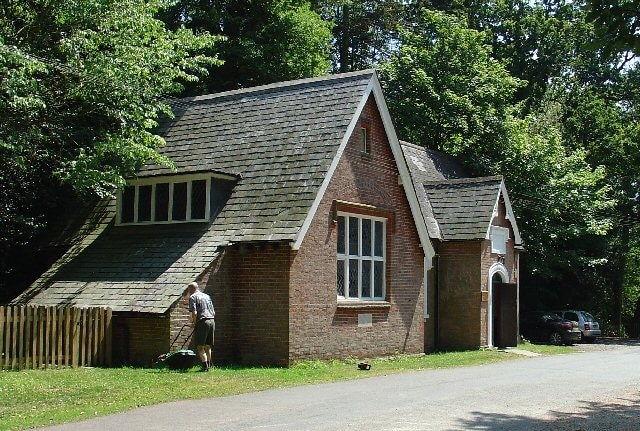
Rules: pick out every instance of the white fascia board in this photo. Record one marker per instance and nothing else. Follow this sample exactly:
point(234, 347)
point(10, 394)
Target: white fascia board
point(332, 168)
point(403, 169)
point(509, 214)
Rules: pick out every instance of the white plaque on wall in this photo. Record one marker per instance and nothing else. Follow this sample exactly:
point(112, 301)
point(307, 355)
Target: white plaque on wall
point(365, 320)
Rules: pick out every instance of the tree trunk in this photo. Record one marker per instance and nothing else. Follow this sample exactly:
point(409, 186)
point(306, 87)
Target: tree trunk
point(634, 331)
point(618, 278)
point(344, 40)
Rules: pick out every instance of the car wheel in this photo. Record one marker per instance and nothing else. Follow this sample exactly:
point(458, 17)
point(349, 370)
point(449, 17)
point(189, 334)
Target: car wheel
point(555, 338)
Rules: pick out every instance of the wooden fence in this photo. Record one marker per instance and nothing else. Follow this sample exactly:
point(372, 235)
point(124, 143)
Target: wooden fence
point(54, 337)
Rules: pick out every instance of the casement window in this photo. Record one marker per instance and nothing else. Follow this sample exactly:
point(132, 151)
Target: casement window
point(361, 257)
point(499, 237)
point(175, 200)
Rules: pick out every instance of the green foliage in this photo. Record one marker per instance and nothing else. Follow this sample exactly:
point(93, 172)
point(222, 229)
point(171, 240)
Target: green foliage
point(447, 93)
point(264, 41)
point(617, 24)
point(444, 89)
point(82, 88)
point(558, 197)
point(364, 31)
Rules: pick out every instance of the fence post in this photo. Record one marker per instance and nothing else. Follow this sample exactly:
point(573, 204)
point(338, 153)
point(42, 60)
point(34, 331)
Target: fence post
point(76, 336)
point(108, 335)
point(14, 339)
point(69, 335)
point(2, 332)
point(95, 330)
point(60, 336)
point(40, 314)
point(28, 339)
point(54, 337)
point(89, 336)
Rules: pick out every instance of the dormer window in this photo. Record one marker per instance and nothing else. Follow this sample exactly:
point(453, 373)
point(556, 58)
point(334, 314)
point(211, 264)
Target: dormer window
point(166, 200)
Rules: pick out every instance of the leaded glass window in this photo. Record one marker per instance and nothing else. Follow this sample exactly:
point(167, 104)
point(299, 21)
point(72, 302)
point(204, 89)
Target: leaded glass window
point(361, 257)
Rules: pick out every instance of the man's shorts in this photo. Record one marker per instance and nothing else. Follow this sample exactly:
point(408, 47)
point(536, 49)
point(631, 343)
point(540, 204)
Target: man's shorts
point(204, 332)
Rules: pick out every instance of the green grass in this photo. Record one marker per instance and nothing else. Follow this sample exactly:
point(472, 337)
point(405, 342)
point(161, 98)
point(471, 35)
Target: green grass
point(33, 398)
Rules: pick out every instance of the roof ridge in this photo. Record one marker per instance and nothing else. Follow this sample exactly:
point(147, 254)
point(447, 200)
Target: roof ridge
point(410, 144)
point(276, 85)
point(465, 180)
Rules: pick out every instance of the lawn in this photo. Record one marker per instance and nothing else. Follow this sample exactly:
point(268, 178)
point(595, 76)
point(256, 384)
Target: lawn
point(43, 397)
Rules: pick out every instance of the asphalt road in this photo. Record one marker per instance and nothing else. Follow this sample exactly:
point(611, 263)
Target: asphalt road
point(598, 389)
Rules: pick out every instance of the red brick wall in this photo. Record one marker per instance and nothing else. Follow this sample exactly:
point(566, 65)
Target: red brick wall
point(139, 340)
point(459, 298)
point(463, 274)
point(250, 289)
point(180, 326)
point(318, 327)
point(430, 323)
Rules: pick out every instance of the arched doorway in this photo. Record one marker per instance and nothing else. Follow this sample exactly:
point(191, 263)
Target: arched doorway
point(502, 309)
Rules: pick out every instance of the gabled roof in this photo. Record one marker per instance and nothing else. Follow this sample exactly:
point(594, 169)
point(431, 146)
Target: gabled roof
point(463, 207)
point(454, 206)
point(279, 145)
point(280, 138)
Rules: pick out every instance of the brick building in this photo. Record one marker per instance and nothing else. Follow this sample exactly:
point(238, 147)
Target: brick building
point(309, 223)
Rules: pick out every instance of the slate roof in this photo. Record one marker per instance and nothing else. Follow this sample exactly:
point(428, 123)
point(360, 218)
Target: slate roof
point(464, 208)
point(429, 165)
point(454, 206)
point(278, 141)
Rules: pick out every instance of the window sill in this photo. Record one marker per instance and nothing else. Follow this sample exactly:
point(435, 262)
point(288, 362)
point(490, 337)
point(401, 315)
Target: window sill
point(363, 305)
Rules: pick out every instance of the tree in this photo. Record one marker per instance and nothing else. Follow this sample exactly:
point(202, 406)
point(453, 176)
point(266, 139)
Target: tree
point(363, 30)
point(443, 87)
point(82, 85)
point(617, 25)
point(447, 93)
point(264, 41)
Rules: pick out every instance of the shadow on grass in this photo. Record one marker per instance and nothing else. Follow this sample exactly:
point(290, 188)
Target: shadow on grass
point(617, 415)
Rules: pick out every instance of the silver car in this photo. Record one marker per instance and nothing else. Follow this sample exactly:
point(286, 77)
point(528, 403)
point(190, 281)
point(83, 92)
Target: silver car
point(588, 325)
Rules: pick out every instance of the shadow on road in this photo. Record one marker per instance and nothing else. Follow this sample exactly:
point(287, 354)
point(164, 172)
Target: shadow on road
point(617, 415)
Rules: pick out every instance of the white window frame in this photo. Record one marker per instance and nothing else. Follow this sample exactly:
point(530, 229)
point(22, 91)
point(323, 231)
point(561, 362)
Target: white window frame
point(499, 238)
point(153, 182)
point(346, 257)
point(365, 144)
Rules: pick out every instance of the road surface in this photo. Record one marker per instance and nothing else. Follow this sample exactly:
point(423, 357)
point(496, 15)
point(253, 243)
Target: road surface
point(598, 389)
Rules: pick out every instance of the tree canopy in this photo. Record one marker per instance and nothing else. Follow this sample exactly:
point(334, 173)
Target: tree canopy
point(82, 84)
point(545, 93)
point(263, 41)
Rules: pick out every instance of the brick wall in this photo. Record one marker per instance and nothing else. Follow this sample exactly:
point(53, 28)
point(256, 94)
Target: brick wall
point(430, 323)
point(138, 339)
point(180, 326)
point(318, 326)
point(459, 297)
point(463, 270)
point(250, 293)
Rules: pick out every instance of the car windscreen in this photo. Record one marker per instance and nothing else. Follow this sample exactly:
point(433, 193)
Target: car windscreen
point(587, 317)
